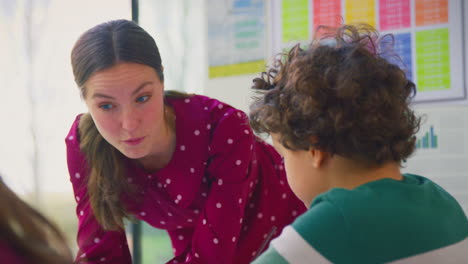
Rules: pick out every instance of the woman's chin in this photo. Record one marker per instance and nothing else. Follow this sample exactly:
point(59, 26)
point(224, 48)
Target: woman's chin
point(132, 154)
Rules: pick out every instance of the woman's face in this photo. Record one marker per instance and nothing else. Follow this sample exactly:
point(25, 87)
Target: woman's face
point(126, 103)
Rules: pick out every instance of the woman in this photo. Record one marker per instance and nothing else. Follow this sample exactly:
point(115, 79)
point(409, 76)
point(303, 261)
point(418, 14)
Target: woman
point(188, 164)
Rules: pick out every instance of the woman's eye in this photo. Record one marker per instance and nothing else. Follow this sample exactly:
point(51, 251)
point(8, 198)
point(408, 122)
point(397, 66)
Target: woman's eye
point(106, 107)
point(142, 99)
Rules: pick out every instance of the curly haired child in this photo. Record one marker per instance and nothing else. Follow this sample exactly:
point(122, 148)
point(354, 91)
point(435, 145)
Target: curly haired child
point(339, 114)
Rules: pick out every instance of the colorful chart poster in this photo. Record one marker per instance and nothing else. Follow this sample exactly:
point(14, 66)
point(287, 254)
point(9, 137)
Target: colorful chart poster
point(433, 59)
point(428, 37)
point(360, 11)
point(236, 37)
point(295, 19)
point(394, 14)
point(326, 12)
point(430, 12)
point(400, 46)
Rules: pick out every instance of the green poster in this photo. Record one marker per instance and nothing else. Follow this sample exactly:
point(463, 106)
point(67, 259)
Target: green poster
point(433, 60)
point(295, 18)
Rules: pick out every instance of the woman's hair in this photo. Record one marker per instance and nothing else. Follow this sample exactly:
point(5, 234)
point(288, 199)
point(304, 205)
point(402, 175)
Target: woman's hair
point(110, 43)
point(29, 233)
point(339, 95)
point(99, 48)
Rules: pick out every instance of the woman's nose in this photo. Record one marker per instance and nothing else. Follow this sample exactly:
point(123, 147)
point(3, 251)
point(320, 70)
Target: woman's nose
point(130, 120)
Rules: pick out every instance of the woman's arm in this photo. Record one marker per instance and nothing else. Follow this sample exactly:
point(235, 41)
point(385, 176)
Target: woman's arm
point(218, 229)
point(96, 245)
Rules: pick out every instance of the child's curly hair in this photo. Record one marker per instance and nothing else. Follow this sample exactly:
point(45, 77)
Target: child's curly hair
point(339, 95)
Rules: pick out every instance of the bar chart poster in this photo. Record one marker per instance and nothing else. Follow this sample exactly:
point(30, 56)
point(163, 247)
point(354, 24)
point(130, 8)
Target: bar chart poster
point(442, 149)
point(236, 37)
point(428, 36)
point(429, 140)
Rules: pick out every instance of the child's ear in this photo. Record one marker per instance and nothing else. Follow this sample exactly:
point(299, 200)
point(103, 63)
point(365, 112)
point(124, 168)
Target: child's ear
point(318, 157)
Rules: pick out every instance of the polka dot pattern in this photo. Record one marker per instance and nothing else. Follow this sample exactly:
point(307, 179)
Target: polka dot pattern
point(228, 157)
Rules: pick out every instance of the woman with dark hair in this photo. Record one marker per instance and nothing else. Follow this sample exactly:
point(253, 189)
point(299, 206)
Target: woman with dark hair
point(339, 114)
point(26, 236)
point(188, 164)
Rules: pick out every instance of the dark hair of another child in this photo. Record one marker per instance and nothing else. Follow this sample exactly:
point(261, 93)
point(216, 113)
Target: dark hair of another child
point(29, 233)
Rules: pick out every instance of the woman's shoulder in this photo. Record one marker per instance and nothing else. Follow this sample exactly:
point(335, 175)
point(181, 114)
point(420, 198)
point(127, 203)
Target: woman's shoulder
point(73, 136)
point(203, 109)
point(202, 102)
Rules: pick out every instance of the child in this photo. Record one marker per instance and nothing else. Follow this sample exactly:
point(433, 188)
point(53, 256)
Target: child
point(339, 114)
point(26, 236)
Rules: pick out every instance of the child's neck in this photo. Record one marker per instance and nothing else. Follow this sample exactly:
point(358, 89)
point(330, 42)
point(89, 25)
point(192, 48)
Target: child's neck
point(350, 174)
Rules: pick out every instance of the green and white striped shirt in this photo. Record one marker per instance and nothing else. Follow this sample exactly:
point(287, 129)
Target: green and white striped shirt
point(408, 221)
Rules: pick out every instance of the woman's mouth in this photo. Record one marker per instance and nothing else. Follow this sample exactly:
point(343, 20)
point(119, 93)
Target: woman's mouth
point(134, 141)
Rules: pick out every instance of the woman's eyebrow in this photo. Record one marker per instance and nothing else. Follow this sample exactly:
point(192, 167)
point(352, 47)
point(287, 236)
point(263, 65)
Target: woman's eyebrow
point(138, 89)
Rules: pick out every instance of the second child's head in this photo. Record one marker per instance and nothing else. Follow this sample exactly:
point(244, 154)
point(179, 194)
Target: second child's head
point(337, 104)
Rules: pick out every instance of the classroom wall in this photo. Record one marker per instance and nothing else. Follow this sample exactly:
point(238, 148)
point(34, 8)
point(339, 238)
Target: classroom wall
point(186, 58)
point(446, 162)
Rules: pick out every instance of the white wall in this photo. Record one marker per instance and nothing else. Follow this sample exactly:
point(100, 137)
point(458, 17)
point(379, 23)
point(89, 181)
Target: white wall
point(57, 25)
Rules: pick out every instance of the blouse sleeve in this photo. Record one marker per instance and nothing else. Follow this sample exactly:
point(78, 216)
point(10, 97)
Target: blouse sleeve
point(218, 229)
point(95, 244)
